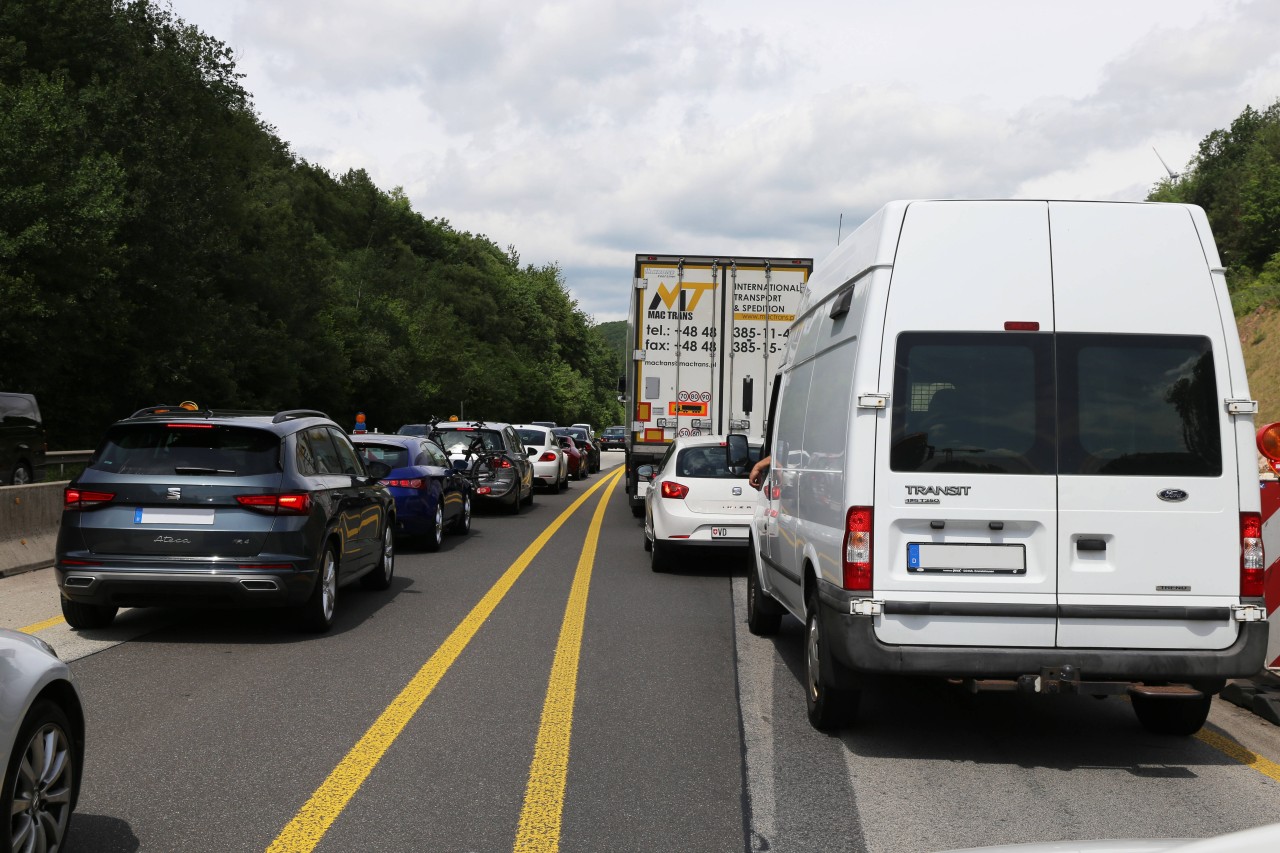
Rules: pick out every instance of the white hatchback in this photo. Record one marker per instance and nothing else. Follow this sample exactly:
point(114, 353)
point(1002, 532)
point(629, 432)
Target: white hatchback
point(550, 466)
point(695, 500)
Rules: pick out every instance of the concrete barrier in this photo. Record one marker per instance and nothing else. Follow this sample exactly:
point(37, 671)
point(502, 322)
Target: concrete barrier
point(29, 521)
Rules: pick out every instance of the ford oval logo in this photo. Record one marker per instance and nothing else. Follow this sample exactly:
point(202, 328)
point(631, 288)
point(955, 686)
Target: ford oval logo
point(1172, 495)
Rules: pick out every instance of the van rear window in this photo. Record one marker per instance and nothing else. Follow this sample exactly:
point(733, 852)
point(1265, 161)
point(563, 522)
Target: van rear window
point(1109, 405)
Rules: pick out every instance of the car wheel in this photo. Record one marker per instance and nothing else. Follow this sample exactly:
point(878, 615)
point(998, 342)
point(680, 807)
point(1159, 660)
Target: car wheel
point(582, 471)
point(80, 615)
point(829, 706)
point(764, 615)
point(529, 500)
point(435, 536)
point(563, 485)
point(40, 782)
point(1172, 715)
point(659, 556)
point(317, 613)
point(514, 509)
point(380, 577)
point(648, 544)
point(463, 523)
point(21, 475)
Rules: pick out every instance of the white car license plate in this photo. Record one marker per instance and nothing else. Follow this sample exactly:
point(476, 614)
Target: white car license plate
point(176, 515)
point(728, 532)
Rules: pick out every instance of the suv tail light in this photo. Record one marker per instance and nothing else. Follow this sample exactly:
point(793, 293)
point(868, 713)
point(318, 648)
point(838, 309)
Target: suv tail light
point(672, 489)
point(290, 504)
point(79, 499)
point(1253, 564)
point(857, 549)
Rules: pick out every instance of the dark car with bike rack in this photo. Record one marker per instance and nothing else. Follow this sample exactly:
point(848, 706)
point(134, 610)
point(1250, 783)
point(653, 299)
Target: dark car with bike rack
point(490, 454)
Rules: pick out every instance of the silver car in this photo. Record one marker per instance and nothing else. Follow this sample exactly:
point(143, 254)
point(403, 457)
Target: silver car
point(42, 733)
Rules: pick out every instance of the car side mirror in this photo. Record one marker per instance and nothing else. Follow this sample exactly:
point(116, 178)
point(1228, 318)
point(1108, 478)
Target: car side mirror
point(738, 451)
point(377, 469)
point(530, 452)
point(646, 472)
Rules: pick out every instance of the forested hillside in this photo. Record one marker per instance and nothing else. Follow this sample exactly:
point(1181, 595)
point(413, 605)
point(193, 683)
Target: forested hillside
point(158, 242)
point(1235, 177)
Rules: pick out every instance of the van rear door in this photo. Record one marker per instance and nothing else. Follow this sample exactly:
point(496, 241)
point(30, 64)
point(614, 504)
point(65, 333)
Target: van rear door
point(1149, 524)
point(965, 525)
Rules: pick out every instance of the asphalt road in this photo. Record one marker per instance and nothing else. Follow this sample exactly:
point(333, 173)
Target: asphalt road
point(509, 694)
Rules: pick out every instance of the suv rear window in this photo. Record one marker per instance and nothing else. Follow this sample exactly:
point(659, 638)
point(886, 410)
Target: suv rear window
point(166, 449)
point(1124, 404)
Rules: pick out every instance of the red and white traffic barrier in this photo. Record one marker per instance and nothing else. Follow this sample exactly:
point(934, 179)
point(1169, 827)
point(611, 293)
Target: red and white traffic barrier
point(1271, 550)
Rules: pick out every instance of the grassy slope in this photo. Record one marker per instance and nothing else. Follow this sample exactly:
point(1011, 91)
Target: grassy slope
point(1260, 338)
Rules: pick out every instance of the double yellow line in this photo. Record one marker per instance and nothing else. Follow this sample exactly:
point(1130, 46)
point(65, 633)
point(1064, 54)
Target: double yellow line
point(544, 797)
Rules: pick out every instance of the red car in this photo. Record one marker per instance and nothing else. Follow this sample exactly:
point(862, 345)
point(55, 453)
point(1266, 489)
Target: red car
point(578, 467)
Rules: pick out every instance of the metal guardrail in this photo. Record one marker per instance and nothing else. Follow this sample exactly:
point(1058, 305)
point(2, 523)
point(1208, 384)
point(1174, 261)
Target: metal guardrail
point(60, 459)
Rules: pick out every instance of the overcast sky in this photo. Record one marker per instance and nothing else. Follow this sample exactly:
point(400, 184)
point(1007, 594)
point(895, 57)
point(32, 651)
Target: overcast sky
point(582, 132)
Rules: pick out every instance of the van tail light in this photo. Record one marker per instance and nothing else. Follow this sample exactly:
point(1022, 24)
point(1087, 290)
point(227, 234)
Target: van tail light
point(547, 457)
point(290, 504)
point(857, 549)
point(80, 499)
point(672, 489)
point(1253, 564)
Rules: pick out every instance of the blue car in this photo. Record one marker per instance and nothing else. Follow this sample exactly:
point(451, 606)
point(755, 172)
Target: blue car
point(430, 495)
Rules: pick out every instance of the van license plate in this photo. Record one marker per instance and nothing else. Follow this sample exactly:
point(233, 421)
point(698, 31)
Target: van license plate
point(966, 559)
point(728, 532)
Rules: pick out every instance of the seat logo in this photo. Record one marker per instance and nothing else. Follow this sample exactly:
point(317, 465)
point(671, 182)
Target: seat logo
point(737, 490)
point(1172, 495)
point(174, 494)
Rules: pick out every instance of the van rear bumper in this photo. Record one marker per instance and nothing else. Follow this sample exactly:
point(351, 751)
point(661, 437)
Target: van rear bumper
point(855, 645)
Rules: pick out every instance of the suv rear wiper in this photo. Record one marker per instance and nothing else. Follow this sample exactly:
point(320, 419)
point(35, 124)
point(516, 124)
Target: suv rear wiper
point(191, 470)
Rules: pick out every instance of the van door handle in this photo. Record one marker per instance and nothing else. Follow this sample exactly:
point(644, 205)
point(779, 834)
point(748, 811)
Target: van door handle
point(1091, 544)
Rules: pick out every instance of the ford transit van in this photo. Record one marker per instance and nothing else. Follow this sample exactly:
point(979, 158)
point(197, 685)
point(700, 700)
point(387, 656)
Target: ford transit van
point(1012, 446)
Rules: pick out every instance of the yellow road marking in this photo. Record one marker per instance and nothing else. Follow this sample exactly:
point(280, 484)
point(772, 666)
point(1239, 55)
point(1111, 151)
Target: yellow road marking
point(313, 820)
point(539, 830)
point(1265, 766)
point(40, 626)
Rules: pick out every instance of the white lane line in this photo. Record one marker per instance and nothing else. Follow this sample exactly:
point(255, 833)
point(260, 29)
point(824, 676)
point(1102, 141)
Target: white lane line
point(755, 697)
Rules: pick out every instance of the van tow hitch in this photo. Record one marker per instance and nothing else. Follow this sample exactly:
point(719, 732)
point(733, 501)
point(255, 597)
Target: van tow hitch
point(1054, 679)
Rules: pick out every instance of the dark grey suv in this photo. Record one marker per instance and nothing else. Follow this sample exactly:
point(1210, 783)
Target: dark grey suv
point(181, 507)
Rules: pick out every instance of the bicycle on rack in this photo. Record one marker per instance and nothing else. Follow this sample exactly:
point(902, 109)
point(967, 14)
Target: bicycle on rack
point(489, 470)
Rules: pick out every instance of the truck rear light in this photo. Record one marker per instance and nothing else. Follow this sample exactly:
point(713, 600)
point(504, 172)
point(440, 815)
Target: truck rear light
point(1253, 564)
point(290, 504)
point(672, 489)
point(80, 499)
point(857, 549)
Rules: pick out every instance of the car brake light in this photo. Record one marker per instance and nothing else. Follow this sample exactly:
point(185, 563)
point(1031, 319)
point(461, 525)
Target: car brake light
point(1253, 564)
point(189, 426)
point(405, 484)
point(78, 499)
point(672, 489)
point(293, 504)
point(857, 549)
point(547, 457)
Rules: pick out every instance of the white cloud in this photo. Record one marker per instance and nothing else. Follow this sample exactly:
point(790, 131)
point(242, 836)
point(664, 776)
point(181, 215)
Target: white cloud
point(582, 132)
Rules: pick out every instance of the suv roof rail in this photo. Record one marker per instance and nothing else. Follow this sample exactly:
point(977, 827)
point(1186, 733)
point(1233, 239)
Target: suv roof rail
point(290, 414)
point(184, 409)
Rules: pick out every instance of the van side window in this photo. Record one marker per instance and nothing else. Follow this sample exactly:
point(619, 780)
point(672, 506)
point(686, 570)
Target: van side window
point(1139, 405)
point(973, 402)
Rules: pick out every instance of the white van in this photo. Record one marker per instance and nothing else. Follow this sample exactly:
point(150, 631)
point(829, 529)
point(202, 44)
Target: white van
point(1012, 444)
